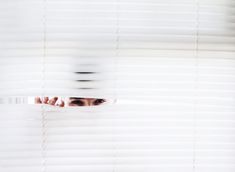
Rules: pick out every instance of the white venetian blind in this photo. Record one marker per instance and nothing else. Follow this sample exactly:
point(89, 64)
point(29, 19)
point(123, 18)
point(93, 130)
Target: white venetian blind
point(168, 64)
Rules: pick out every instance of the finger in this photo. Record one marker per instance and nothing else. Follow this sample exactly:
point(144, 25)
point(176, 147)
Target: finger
point(45, 100)
point(37, 100)
point(61, 104)
point(53, 101)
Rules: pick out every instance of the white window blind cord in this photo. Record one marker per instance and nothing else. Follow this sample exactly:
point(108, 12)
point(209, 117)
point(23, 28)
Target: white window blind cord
point(43, 111)
point(195, 86)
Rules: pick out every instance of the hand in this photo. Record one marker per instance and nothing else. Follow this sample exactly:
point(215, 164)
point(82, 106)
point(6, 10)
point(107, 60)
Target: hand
point(53, 101)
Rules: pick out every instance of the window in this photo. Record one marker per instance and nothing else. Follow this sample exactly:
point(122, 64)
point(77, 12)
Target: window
point(165, 68)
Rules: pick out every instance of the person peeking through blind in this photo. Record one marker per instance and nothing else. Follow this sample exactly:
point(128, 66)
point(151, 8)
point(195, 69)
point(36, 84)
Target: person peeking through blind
point(72, 101)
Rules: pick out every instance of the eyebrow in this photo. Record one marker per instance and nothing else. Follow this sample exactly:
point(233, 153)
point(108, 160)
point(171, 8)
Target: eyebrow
point(76, 98)
point(80, 98)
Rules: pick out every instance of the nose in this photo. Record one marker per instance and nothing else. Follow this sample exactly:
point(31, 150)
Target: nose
point(89, 102)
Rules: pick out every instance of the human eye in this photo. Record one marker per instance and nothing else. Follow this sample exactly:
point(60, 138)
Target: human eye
point(77, 103)
point(99, 101)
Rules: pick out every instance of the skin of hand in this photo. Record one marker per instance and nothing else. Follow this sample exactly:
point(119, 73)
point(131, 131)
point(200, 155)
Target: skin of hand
point(73, 101)
point(53, 101)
